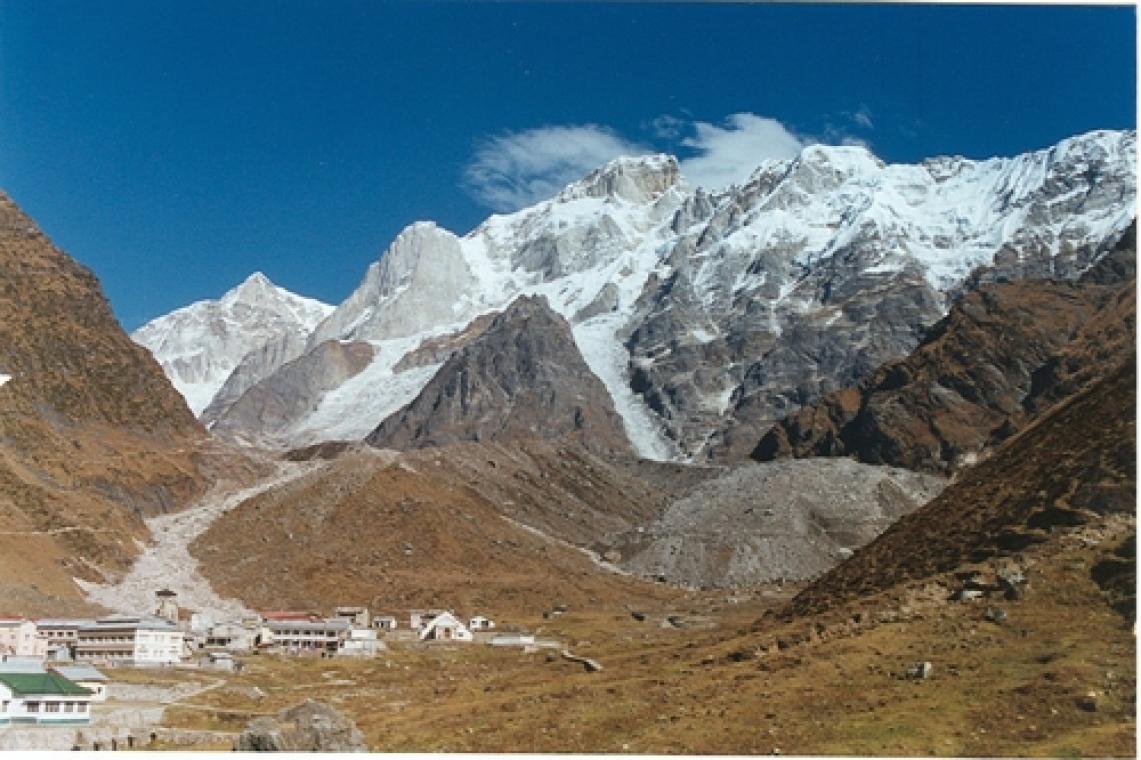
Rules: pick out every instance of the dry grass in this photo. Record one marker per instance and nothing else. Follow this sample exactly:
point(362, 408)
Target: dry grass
point(1009, 689)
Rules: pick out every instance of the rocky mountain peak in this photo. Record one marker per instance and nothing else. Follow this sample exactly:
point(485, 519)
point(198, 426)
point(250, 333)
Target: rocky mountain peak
point(199, 345)
point(417, 282)
point(637, 179)
point(254, 288)
point(522, 378)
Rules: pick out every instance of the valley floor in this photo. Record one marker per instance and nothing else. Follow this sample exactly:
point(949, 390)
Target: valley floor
point(1056, 677)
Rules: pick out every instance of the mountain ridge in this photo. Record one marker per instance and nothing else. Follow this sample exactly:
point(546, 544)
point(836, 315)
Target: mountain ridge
point(709, 315)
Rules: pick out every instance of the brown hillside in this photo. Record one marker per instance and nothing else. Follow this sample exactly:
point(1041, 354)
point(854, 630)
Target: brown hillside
point(434, 527)
point(1003, 354)
point(92, 436)
point(1071, 466)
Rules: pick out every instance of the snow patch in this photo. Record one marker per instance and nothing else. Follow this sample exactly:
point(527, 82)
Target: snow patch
point(608, 359)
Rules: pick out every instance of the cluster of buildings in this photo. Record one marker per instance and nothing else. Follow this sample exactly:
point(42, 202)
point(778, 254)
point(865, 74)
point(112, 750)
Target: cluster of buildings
point(353, 631)
point(48, 667)
point(173, 635)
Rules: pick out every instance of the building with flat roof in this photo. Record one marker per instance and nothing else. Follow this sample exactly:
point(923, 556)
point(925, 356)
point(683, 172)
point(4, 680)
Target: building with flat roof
point(123, 640)
point(19, 636)
point(299, 636)
point(61, 631)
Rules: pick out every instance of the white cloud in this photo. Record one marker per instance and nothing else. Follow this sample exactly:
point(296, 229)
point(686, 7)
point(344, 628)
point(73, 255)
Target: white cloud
point(863, 117)
point(728, 154)
point(666, 127)
point(517, 169)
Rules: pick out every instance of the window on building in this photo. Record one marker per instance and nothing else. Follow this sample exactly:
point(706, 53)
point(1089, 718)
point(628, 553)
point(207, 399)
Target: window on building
point(52, 707)
point(4, 706)
point(81, 707)
point(68, 707)
point(32, 707)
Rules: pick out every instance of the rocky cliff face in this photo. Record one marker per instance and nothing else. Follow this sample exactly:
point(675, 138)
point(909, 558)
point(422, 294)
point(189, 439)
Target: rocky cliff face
point(709, 316)
point(265, 410)
point(1003, 354)
point(521, 378)
point(92, 436)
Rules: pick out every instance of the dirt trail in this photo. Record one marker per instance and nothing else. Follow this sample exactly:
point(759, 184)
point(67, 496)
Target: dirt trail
point(166, 562)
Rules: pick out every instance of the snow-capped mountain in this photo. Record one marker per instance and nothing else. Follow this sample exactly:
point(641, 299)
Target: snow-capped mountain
point(199, 345)
point(708, 315)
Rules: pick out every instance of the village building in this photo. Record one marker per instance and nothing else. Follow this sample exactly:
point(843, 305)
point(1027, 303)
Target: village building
point(361, 642)
point(46, 698)
point(384, 623)
point(15, 663)
point(124, 640)
point(481, 623)
point(229, 637)
point(356, 616)
point(19, 636)
point(61, 632)
point(86, 676)
point(418, 619)
point(278, 616)
point(166, 605)
point(299, 636)
point(445, 627)
point(220, 661)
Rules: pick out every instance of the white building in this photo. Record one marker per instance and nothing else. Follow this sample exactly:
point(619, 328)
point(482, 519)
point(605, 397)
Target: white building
point(384, 623)
point(357, 616)
point(47, 698)
point(19, 636)
point(300, 636)
point(86, 676)
point(445, 627)
point(361, 642)
point(122, 640)
point(417, 619)
point(166, 605)
point(230, 637)
point(481, 623)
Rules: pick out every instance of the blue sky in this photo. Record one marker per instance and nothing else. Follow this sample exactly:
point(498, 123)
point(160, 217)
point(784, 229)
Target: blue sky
point(175, 147)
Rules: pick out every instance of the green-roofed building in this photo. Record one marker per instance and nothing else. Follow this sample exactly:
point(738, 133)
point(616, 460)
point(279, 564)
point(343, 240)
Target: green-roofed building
point(47, 698)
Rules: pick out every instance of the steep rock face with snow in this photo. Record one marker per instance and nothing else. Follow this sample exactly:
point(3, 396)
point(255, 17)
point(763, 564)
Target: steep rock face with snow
point(522, 378)
point(710, 315)
point(818, 270)
point(198, 346)
point(1003, 355)
point(265, 411)
point(254, 367)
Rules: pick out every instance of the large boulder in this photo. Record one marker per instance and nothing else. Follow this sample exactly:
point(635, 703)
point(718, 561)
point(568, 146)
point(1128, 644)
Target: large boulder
point(308, 727)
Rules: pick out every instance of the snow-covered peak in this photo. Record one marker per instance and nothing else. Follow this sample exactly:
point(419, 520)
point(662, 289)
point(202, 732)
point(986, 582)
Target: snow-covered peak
point(652, 273)
point(199, 345)
point(637, 179)
point(421, 278)
point(256, 286)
